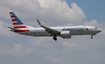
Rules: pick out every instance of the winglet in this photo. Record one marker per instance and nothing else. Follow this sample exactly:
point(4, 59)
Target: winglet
point(38, 22)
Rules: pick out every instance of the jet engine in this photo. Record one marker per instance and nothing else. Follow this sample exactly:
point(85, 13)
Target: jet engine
point(65, 34)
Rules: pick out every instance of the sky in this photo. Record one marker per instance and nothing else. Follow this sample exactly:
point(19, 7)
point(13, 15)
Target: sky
point(20, 49)
point(93, 9)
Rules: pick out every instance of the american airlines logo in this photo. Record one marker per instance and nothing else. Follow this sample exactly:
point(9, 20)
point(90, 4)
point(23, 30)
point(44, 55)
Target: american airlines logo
point(73, 29)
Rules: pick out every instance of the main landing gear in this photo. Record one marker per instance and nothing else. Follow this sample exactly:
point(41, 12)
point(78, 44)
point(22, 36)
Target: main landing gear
point(91, 36)
point(55, 38)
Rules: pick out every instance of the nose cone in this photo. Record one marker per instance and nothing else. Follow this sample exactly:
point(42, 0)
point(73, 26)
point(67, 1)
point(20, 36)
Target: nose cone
point(99, 30)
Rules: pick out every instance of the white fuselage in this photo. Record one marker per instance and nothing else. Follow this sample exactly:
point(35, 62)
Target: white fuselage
point(64, 31)
point(74, 30)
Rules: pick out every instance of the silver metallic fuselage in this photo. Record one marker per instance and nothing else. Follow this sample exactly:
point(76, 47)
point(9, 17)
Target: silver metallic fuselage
point(74, 30)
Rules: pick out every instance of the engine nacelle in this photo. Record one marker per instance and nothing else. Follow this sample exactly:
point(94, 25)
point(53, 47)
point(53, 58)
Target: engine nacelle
point(65, 34)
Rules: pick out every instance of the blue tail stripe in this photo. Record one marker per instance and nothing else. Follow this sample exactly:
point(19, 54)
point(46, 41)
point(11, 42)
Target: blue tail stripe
point(17, 19)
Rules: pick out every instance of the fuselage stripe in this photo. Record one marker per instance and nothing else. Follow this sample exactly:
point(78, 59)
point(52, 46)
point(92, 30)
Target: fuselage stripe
point(20, 27)
point(22, 31)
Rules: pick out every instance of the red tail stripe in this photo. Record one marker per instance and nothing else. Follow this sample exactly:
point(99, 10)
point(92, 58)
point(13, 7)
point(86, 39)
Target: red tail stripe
point(12, 16)
point(11, 12)
point(15, 23)
point(13, 19)
point(20, 27)
point(22, 31)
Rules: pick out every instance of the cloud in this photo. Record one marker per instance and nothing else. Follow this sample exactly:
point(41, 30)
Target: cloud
point(4, 12)
point(54, 60)
point(103, 31)
point(18, 6)
point(4, 31)
point(60, 10)
point(92, 23)
point(47, 11)
point(15, 50)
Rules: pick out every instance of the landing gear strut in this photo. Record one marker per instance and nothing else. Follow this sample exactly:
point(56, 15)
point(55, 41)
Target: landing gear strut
point(55, 38)
point(91, 36)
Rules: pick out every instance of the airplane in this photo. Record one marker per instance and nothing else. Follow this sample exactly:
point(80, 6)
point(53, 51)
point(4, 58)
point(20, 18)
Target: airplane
point(42, 31)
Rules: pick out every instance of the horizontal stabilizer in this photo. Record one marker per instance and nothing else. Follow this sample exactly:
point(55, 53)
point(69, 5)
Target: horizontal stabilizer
point(11, 28)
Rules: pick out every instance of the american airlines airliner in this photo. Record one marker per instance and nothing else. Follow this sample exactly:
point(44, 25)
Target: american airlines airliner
point(41, 31)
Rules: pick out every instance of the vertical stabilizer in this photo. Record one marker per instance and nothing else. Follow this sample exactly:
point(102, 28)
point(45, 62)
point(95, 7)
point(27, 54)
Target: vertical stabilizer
point(17, 23)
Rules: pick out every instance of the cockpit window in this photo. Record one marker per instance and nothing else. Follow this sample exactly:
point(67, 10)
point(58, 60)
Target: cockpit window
point(95, 27)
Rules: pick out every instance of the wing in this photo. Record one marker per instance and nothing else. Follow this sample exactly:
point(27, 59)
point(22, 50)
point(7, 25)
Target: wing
point(51, 31)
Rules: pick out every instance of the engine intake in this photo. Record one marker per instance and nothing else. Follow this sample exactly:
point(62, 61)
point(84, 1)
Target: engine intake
point(65, 34)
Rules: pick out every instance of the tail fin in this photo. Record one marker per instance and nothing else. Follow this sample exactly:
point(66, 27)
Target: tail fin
point(17, 23)
point(15, 19)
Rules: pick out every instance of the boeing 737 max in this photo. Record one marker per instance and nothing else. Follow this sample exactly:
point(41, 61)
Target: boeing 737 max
point(64, 31)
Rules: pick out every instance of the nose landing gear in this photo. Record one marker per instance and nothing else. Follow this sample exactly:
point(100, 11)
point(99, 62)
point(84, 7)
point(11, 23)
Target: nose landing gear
point(91, 36)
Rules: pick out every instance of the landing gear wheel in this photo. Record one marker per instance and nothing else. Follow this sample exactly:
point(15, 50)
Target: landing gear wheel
point(91, 36)
point(55, 38)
